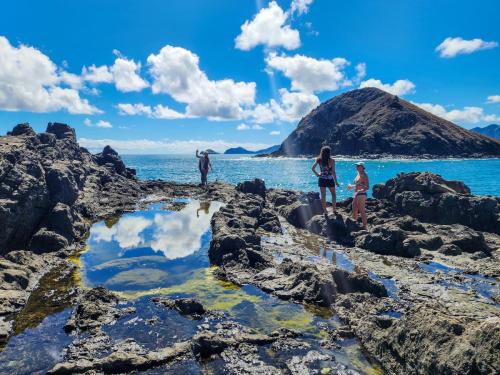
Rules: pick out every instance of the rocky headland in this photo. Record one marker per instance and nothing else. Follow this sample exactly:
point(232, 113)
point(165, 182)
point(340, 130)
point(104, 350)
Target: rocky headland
point(372, 123)
point(418, 289)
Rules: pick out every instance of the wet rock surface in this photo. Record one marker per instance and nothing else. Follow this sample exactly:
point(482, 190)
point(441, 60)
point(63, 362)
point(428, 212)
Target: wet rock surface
point(216, 340)
point(444, 319)
point(94, 308)
point(397, 227)
point(430, 198)
point(51, 191)
point(185, 306)
point(20, 272)
point(426, 339)
point(236, 248)
point(49, 185)
point(419, 288)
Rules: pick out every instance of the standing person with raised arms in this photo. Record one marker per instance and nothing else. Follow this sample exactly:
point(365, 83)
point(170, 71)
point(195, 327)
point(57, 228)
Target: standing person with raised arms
point(327, 177)
point(203, 165)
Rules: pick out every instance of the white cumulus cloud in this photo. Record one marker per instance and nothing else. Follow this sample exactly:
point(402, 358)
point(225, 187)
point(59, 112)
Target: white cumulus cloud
point(451, 47)
point(309, 74)
point(291, 107)
point(97, 74)
point(176, 72)
point(158, 111)
point(400, 87)
point(300, 6)
point(149, 146)
point(275, 132)
point(248, 127)
point(269, 28)
point(98, 124)
point(493, 99)
point(134, 109)
point(126, 75)
point(471, 115)
point(243, 127)
point(360, 72)
point(30, 81)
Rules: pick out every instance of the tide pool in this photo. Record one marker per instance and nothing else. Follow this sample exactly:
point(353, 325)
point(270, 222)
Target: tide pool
point(290, 173)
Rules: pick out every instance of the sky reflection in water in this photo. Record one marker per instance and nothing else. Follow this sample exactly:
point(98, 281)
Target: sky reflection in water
point(149, 249)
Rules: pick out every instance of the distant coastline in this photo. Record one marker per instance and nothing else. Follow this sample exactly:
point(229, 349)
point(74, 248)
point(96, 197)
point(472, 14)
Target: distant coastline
point(337, 157)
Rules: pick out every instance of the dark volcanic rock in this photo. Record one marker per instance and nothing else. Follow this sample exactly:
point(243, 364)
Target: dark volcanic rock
point(19, 274)
point(269, 221)
point(304, 281)
point(61, 131)
point(21, 129)
point(299, 213)
point(95, 308)
point(234, 237)
point(430, 198)
point(122, 360)
point(110, 157)
point(370, 121)
point(185, 306)
point(256, 186)
point(51, 188)
point(427, 339)
point(236, 248)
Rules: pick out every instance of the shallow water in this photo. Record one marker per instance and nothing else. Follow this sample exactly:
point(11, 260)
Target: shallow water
point(292, 173)
point(39, 337)
point(158, 252)
point(149, 249)
point(486, 287)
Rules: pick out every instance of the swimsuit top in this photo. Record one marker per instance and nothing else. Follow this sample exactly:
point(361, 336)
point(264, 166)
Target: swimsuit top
point(326, 170)
point(359, 184)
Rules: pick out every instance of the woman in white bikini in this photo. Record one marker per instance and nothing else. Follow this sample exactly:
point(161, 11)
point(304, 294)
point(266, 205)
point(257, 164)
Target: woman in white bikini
point(361, 185)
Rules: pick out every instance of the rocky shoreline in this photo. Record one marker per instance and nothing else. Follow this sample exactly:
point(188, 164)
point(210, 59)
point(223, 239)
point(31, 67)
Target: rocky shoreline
point(454, 334)
point(410, 314)
point(383, 157)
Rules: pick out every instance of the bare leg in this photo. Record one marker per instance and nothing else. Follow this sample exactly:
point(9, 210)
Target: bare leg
point(323, 199)
point(362, 209)
point(355, 209)
point(334, 199)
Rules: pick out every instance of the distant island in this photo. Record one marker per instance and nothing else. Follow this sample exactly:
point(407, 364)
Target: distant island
point(372, 123)
point(211, 152)
point(492, 131)
point(244, 151)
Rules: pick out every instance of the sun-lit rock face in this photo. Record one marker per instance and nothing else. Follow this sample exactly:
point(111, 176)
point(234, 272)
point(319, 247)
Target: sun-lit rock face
point(370, 121)
point(49, 185)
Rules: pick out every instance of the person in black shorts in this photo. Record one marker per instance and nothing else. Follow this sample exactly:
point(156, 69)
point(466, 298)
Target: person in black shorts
point(327, 177)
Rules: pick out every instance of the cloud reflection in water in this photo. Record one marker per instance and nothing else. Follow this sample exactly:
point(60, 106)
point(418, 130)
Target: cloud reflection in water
point(149, 249)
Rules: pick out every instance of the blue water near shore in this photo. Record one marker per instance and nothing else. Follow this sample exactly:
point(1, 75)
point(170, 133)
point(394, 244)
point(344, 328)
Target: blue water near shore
point(291, 173)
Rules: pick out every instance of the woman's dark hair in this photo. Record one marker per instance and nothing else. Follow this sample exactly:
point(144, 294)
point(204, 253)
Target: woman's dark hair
point(324, 155)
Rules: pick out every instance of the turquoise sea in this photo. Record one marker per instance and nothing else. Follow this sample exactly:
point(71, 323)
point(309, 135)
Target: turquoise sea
point(482, 176)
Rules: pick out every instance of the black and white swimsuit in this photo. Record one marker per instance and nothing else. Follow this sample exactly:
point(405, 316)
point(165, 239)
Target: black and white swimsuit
point(326, 175)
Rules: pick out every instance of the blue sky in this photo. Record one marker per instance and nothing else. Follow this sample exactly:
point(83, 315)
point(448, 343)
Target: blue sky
point(171, 76)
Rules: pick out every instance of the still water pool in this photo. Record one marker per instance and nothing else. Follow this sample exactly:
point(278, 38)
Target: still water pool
point(159, 252)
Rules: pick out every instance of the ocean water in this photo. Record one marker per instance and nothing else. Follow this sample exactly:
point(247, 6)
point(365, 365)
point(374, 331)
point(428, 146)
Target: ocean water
point(482, 176)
